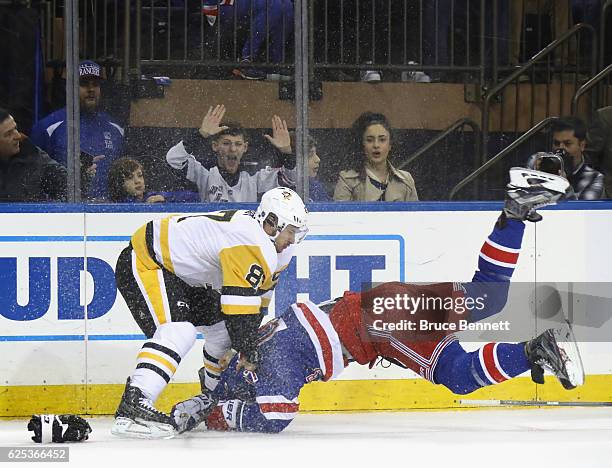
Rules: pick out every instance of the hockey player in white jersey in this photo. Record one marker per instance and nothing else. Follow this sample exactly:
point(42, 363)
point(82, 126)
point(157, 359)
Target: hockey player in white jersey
point(212, 272)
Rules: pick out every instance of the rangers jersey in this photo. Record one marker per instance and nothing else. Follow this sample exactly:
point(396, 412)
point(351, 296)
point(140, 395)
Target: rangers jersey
point(298, 347)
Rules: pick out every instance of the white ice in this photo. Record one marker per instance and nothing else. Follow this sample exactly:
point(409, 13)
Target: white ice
point(554, 437)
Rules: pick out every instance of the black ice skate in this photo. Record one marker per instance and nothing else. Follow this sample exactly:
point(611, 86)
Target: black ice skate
point(137, 417)
point(529, 190)
point(556, 350)
point(188, 414)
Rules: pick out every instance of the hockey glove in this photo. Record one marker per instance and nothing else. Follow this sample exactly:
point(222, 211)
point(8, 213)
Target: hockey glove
point(59, 428)
point(190, 413)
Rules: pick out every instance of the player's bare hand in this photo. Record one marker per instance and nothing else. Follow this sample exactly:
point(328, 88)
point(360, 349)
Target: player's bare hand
point(226, 358)
point(246, 365)
point(211, 124)
point(280, 135)
point(156, 199)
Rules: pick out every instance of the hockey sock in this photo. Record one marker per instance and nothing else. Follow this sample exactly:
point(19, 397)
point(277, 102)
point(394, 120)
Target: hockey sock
point(463, 372)
point(500, 252)
point(216, 343)
point(496, 263)
point(160, 356)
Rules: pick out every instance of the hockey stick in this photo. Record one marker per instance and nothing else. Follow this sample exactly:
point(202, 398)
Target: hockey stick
point(533, 403)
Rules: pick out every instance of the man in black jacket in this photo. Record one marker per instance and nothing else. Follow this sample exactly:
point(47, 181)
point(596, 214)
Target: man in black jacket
point(27, 173)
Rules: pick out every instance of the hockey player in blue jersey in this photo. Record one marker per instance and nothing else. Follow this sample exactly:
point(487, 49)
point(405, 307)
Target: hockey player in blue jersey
point(100, 137)
point(308, 342)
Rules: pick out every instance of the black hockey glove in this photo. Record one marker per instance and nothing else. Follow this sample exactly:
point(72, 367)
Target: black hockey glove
point(58, 428)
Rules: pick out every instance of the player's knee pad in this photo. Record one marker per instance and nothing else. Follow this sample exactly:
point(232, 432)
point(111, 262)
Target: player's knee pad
point(216, 339)
point(181, 335)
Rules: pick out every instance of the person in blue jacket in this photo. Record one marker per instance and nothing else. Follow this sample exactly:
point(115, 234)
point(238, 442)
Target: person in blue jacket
point(101, 137)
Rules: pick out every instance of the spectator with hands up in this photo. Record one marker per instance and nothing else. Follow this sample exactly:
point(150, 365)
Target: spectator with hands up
point(211, 158)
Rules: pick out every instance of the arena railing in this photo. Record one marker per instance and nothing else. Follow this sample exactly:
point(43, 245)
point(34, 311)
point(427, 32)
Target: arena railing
point(458, 126)
point(542, 77)
point(499, 157)
point(600, 98)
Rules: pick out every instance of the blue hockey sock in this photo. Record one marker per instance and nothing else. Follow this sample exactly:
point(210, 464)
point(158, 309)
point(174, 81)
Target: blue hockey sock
point(463, 372)
point(500, 252)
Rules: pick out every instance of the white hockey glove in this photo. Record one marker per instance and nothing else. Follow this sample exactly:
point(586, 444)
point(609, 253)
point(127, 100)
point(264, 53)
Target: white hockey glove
point(191, 413)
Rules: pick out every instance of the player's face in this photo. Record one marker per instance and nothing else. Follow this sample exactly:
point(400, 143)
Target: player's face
point(9, 138)
point(376, 144)
point(313, 162)
point(135, 185)
point(566, 140)
point(230, 149)
point(89, 94)
point(286, 238)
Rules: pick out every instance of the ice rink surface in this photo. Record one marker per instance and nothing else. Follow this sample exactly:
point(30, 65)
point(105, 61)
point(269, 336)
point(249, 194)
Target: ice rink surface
point(554, 437)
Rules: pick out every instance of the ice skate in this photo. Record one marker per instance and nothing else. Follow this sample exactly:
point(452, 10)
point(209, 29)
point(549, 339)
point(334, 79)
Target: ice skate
point(137, 417)
point(529, 190)
point(557, 351)
point(188, 414)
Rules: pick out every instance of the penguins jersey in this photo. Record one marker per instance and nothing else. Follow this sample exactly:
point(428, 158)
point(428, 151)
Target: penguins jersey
point(227, 250)
point(211, 184)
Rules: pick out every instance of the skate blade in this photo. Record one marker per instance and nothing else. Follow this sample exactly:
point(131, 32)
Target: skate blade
point(527, 178)
point(125, 427)
point(567, 344)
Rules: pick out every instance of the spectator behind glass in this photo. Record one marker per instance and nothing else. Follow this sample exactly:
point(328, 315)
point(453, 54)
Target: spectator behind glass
point(316, 190)
point(126, 184)
point(26, 172)
point(100, 136)
point(269, 17)
point(371, 177)
point(569, 141)
point(599, 145)
point(210, 157)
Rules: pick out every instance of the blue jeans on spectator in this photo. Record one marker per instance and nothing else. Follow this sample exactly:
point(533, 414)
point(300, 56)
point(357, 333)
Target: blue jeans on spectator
point(268, 16)
point(437, 29)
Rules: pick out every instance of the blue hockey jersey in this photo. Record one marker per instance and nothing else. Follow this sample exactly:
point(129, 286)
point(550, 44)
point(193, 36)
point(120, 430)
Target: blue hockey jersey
point(267, 401)
point(99, 136)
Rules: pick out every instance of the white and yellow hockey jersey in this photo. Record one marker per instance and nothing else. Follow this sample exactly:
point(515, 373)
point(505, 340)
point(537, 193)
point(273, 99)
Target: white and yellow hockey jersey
point(212, 187)
point(226, 249)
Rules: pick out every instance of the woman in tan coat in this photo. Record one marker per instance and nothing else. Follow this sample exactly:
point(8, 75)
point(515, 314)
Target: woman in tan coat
point(371, 176)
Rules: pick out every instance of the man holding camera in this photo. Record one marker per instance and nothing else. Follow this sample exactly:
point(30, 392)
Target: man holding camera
point(567, 160)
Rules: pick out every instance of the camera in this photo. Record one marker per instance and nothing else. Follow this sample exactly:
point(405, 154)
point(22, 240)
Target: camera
point(552, 163)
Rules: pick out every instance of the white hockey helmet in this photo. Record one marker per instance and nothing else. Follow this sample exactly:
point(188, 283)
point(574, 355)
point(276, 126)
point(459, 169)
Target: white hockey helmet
point(288, 209)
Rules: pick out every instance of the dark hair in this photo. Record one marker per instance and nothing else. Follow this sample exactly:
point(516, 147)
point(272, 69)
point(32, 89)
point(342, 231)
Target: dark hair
point(4, 114)
point(120, 170)
point(234, 129)
point(575, 124)
point(354, 155)
point(312, 142)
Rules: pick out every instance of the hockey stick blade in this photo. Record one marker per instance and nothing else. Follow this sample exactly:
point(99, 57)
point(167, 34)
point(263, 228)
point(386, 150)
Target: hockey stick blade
point(488, 403)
